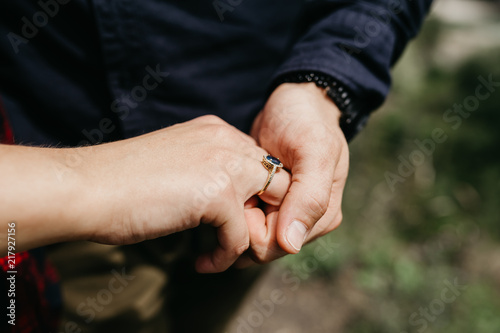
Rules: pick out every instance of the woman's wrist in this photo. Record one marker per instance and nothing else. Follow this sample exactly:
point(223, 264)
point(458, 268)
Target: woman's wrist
point(77, 209)
point(42, 194)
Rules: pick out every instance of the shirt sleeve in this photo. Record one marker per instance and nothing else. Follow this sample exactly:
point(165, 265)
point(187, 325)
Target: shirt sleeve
point(355, 42)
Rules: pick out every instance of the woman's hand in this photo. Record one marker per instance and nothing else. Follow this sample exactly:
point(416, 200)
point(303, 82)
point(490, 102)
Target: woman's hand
point(201, 171)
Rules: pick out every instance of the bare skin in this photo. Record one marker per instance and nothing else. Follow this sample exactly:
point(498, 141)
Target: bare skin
point(300, 125)
point(201, 171)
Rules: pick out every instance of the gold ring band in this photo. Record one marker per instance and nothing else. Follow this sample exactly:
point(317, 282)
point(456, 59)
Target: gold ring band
point(273, 165)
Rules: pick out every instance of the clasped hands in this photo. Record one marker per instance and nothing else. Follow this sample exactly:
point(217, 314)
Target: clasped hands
point(206, 171)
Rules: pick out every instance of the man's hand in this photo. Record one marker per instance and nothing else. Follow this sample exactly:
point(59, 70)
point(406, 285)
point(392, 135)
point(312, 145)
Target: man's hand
point(300, 125)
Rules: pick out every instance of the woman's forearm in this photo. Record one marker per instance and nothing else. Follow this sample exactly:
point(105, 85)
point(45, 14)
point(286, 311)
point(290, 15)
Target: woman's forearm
point(42, 195)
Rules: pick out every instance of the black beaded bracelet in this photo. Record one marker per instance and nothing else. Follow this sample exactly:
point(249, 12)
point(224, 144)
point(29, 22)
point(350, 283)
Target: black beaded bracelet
point(352, 120)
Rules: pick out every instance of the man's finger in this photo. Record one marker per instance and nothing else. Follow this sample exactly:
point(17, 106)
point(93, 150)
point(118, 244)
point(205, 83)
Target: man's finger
point(307, 200)
point(333, 217)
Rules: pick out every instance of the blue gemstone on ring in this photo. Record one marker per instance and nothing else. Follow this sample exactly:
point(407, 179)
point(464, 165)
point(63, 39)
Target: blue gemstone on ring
point(273, 160)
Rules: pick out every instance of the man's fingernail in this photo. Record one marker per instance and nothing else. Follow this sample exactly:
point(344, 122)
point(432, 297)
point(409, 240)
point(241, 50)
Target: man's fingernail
point(296, 234)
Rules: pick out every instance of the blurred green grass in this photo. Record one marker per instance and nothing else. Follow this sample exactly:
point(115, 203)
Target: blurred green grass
point(442, 223)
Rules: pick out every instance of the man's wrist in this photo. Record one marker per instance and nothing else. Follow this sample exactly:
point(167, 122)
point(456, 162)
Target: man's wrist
point(353, 118)
point(316, 93)
point(333, 88)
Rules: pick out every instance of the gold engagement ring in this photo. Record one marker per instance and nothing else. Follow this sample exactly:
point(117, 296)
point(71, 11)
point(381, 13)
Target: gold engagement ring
point(272, 165)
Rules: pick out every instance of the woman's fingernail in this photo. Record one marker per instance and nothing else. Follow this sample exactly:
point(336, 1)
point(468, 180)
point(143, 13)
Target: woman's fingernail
point(296, 234)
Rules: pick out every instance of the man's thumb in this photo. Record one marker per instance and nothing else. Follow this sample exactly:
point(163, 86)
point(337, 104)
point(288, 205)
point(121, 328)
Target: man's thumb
point(303, 206)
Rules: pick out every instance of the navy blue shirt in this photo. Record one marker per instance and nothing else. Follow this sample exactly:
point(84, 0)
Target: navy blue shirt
point(74, 72)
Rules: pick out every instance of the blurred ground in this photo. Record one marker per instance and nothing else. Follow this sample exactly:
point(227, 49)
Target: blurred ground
point(418, 253)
